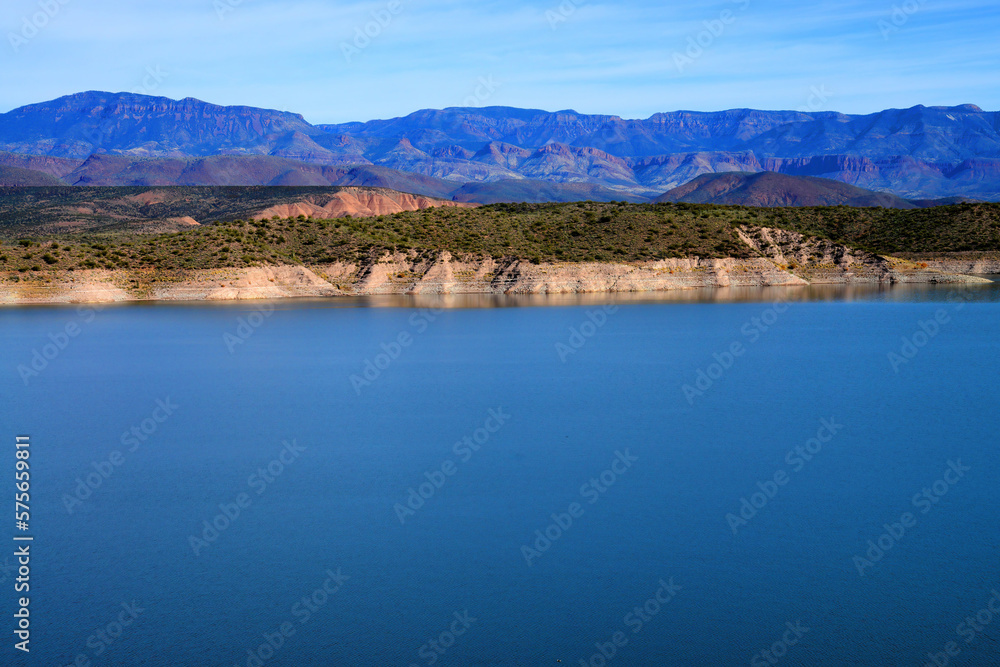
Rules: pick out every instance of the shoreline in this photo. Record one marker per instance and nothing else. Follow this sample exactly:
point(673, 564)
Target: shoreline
point(401, 275)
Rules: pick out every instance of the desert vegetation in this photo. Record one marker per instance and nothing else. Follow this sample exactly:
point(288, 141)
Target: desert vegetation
point(574, 232)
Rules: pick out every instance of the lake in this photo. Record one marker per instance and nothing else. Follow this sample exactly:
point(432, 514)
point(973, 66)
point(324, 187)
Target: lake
point(794, 477)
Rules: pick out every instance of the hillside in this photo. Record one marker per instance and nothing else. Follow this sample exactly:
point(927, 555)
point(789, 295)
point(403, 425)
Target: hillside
point(502, 249)
point(577, 232)
point(963, 228)
point(33, 211)
point(768, 189)
point(53, 166)
point(564, 232)
point(539, 192)
point(17, 177)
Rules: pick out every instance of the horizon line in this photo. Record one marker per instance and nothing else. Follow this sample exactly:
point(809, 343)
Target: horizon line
point(818, 112)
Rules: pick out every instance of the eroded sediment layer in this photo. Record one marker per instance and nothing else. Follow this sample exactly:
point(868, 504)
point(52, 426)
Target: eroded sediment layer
point(965, 266)
point(444, 274)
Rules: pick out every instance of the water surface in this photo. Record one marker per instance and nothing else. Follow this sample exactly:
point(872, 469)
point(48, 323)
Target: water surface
point(579, 387)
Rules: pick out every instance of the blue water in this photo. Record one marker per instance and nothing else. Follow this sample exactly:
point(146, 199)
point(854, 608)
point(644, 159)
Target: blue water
point(335, 503)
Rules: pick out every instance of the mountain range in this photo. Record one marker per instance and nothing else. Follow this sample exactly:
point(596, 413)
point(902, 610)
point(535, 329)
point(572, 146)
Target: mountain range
point(496, 153)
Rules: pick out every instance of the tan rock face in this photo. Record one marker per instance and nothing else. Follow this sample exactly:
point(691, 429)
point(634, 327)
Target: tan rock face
point(262, 283)
point(819, 261)
point(97, 286)
point(357, 202)
point(982, 266)
point(150, 197)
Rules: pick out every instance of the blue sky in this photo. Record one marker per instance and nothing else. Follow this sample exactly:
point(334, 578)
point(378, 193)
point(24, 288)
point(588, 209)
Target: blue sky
point(631, 59)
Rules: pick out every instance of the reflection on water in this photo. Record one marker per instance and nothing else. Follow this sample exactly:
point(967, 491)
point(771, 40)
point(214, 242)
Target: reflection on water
point(903, 293)
point(885, 293)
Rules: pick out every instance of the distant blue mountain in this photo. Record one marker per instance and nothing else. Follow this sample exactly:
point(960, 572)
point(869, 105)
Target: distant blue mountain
point(935, 133)
point(917, 152)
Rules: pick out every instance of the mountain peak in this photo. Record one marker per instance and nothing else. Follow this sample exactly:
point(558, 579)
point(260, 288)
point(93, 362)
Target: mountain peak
point(78, 125)
point(96, 99)
point(961, 108)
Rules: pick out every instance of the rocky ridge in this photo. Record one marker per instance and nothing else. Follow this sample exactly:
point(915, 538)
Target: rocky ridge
point(787, 260)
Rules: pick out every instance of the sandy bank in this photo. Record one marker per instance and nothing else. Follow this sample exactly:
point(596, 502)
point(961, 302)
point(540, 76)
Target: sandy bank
point(401, 274)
